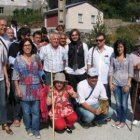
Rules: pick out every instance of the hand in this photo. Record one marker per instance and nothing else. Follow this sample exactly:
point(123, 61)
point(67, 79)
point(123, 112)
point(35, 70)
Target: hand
point(74, 95)
point(7, 83)
point(126, 89)
point(18, 93)
point(105, 112)
point(98, 111)
point(112, 87)
point(138, 66)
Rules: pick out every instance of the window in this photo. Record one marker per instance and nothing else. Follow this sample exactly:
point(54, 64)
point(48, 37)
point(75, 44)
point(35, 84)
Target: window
point(93, 19)
point(80, 18)
point(12, 0)
point(1, 10)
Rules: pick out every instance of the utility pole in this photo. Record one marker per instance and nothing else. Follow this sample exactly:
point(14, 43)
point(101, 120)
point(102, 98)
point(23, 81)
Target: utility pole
point(61, 12)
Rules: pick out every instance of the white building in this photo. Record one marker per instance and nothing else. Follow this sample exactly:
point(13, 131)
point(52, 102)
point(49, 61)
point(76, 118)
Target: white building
point(81, 15)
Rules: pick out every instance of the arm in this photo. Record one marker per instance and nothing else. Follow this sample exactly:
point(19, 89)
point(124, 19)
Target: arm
point(6, 75)
point(18, 91)
point(85, 54)
point(89, 58)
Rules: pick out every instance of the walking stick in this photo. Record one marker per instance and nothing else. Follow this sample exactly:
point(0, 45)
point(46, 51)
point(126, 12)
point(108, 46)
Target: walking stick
point(134, 107)
point(52, 106)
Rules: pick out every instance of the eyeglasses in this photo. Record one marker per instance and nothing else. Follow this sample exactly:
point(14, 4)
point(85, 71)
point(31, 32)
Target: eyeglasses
point(74, 35)
point(26, 45)
point(99, 40)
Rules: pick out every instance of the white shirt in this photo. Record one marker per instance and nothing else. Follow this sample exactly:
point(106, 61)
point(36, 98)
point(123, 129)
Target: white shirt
point(101, 60)
point(3, 59)
point(53, 58)
point(84, 89)
point(81, 70)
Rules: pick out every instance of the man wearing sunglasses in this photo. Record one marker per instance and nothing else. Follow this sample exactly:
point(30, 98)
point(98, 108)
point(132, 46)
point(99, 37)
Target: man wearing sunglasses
point(99, 57)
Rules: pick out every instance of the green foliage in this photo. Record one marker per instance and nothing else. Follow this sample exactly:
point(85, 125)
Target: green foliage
point(125, 9)
point(129, 34)
point(27, 16)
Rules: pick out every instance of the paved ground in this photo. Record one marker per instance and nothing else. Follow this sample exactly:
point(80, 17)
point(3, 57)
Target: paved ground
point(106, 132)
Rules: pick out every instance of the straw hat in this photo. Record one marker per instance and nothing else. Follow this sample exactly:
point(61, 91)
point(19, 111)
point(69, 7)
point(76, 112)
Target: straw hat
point(60, 77)
point(92, 72)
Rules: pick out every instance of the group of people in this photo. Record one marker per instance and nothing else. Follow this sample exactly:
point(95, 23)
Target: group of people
point(80, 81)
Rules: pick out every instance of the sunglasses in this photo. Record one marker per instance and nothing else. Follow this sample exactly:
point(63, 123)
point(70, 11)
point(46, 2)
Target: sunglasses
point(99, 40)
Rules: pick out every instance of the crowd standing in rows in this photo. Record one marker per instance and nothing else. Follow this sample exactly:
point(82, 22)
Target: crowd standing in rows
point(83, 79)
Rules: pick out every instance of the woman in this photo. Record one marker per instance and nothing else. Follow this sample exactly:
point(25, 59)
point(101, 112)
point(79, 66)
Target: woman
point(65, 116)
point(120, 75)
point(27, 84)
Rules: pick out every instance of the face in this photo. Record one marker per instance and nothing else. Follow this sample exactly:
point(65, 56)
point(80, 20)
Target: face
point(25, 36)
point(54, 40)
point(27, 48)
point(10, 33)
point(37, 39)
point(120, 49)
point(74, 36)
point(3, 27)
point(60, 30)
point(92, 81)
point(63, 40)
point(100, 41)
point(59, 85)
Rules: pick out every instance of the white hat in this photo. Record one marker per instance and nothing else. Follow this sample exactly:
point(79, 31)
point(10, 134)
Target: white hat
point(92, 72)
point(60, 77)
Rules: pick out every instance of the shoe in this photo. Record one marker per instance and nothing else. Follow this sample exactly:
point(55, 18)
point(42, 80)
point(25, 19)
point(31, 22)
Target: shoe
point(7, 129)
point(121, 125)
point(135, 122)
point(116, 124)
point(16, 123)
point(37, 136)
point(29, 132)
point(68, 129)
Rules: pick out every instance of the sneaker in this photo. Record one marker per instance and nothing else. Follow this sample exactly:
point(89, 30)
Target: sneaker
point(37, 136)
point(135, 122)
point(68, 129)
point(121, 125)
point(29, 132)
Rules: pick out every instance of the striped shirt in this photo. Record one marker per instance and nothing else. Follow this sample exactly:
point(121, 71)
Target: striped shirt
point(121, 70)
point(53, 58)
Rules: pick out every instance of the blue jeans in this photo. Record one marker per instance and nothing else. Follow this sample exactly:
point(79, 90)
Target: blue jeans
point(121, 103)
point(88, 117)
point(3, 107)
point(31, 115)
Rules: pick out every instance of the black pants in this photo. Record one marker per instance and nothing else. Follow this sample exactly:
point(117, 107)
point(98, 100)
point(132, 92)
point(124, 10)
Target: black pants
point(75, 79)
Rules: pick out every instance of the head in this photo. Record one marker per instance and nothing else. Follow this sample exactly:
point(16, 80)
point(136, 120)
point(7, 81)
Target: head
point(92, 76)
point(74, 35)
point(59, 81)
point(137, 45)
point(100, 40)
point(119, 48)
point(54, 39)
point(23, 32)
point(63, 39)
point(3, 26)
point(26, 47)
point(37, 37)
point(60, 29)
point(10, 33)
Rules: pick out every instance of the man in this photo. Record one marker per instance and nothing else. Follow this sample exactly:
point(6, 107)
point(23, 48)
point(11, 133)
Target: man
point(77, 59)
point(135, 99)
point(90, 91)
point(3, 79)
point(37, 37)
point(53, 56)
point(63, 40)
point(99, 57)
